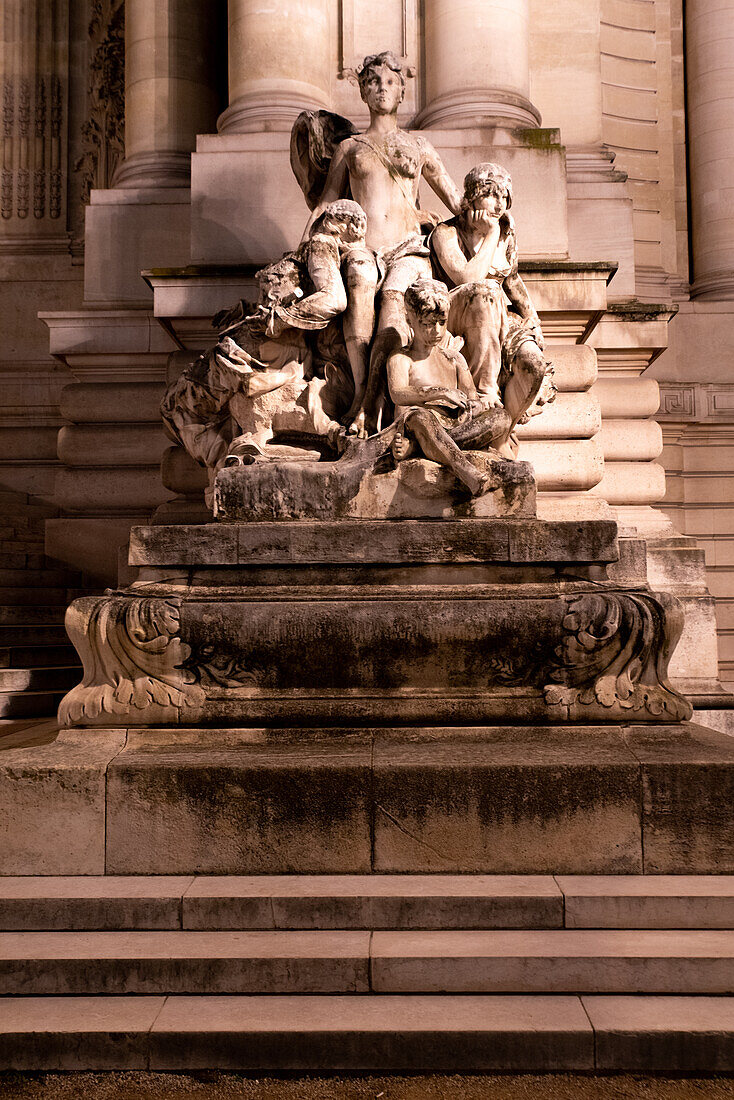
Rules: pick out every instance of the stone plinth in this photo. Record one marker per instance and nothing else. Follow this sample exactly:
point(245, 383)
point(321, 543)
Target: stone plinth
point(359, 623)
point(493, 799)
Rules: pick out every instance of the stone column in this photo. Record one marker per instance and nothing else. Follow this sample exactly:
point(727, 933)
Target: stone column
point(710, 81)
point(279, 63)
point(477, 65)
point(34, 58)
point(170, 89)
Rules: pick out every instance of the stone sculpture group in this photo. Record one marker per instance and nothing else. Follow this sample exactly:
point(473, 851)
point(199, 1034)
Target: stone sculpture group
point(384, 322)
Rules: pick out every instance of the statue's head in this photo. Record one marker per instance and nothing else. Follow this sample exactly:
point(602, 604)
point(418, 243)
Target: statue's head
point(279, 282)
point(487, 184)
point(382, 82)
point(427, 309)
point(344, 219)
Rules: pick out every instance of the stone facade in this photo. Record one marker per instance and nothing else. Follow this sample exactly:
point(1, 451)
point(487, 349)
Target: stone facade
point(126, 149)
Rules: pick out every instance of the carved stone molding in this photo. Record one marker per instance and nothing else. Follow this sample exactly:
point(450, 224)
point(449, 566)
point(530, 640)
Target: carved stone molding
point(614, 656)
point(34, 45)
point(697, 402)
point(103, 134)
point(132, 655)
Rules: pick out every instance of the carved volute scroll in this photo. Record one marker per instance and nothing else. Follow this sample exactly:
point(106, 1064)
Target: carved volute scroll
point(132, 655)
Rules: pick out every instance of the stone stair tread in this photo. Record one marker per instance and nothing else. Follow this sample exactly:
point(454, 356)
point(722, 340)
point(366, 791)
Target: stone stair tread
point(376, 902)
point(295, 1032)
point(38, 577)
point(648, 901)
point(50, 678)
point(35, 656)
point(15, 595)
point(369, 1032)
point(33, 634)
point(15, 614)
point(527, 961)
point(35, 704)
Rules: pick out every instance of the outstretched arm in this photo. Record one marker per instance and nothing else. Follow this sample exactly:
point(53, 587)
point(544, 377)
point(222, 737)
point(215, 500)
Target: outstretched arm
point(439, 180)
point(334, 188)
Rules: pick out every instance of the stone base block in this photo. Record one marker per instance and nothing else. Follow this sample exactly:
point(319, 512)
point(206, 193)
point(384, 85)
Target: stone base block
point(416, 489)
point(593, 800)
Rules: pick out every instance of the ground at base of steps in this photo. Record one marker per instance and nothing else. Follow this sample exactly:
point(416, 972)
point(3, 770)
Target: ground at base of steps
point(228, 1086)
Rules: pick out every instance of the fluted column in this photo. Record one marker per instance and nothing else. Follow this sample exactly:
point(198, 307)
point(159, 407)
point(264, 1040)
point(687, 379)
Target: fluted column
point(477, 67)
point(33, 170)
point(279, 63)
point(170, 89)
point(710, 78)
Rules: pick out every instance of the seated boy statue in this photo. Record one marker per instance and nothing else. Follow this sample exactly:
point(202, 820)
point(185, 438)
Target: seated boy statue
point(438, 412)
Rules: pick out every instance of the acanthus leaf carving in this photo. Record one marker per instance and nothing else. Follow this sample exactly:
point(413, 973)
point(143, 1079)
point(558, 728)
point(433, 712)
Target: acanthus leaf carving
point(103, 134)
point(614, 656)
point(132, 654)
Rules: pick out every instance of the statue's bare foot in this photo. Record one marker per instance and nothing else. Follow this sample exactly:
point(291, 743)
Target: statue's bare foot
point(477, 485)
point(243, 454)
point(357, 426)
point(401, 447)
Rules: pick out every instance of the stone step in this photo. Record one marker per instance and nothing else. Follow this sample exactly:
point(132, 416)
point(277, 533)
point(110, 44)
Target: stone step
point(33, 963)
point(527, 961)
point(52, 678)
point(44, 614)
point(38, 656)
point(29, 704)
point(40, 577)
point(373, 902)
point(36, 634)
point(371, 1034)
point(16, 595)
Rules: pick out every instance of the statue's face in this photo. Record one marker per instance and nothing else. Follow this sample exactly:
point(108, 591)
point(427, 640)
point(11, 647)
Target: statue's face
point(430, 326)
point(489, 206)
point(382, 90)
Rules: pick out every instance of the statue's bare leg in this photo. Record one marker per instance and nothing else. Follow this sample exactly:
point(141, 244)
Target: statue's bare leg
point(477, 315)
point(488, 430)
point(528, 371)
point(438, 445)
point(361, 274)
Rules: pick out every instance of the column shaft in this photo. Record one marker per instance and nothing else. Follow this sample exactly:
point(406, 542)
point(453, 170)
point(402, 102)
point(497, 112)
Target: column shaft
point(710, 82)
point(170, 88)
point(279, 63)
point(477, 68)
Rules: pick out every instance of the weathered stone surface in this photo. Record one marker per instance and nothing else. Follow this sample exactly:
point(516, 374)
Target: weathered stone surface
point(552, 961)
point(76, 1033)
point(229, 806)
point(35, 903)
point(53, 963)
point(663, 1034)
point(524, 540)
point(688, 792)
point(648, 901)
point(373, 1034)
point(542, 801)
point(52, 804)
point(373, 901)
point(417, 489)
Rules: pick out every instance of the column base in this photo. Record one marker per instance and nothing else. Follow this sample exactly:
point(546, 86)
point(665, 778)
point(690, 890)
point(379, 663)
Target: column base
point(155, 169)
point(472, 107)
point(269, 111)
point(718, 287)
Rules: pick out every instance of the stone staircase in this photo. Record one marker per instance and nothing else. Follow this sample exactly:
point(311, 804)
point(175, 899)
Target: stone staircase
point(380, 973)
point(38, 664)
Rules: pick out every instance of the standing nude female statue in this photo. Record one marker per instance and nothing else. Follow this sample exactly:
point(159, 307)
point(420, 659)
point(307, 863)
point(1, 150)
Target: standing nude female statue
point(381, 169)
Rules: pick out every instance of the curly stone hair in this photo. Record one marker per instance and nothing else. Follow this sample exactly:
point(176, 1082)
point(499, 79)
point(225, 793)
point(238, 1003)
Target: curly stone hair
point(375, 61)
point(483, 178)
point(426, 296)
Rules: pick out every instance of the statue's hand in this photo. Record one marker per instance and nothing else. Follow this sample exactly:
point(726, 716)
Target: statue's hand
point(357, 426)
point(449, 397)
